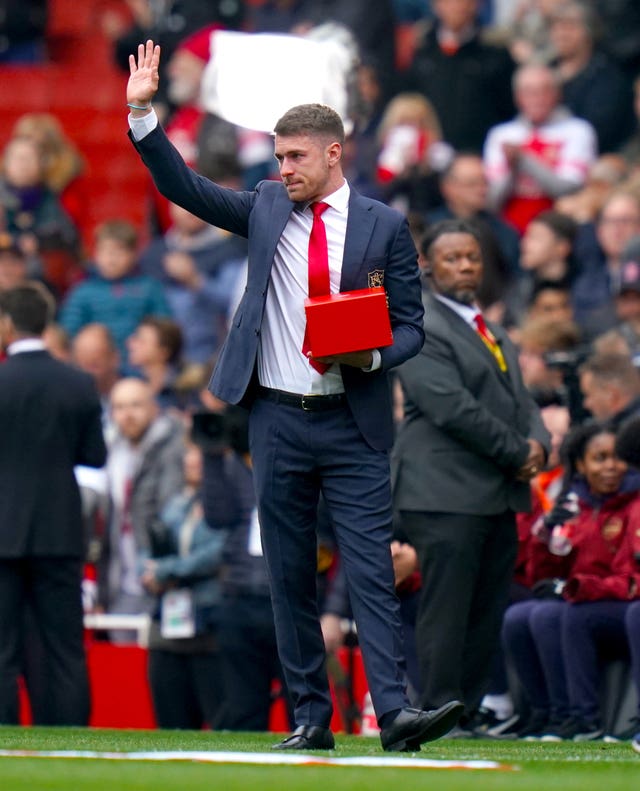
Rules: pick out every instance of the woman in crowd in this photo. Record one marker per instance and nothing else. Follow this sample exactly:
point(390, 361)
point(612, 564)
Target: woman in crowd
point(155, 351)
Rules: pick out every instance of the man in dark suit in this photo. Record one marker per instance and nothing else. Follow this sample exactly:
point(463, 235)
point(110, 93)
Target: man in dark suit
point(471, 440)
point(49, 422)
point(315, 424)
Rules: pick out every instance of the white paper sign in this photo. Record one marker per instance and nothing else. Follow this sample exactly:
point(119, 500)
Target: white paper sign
point(252, 79)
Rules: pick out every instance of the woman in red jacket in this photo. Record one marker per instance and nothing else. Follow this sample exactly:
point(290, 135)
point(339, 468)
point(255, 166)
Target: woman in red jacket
point(555, 643)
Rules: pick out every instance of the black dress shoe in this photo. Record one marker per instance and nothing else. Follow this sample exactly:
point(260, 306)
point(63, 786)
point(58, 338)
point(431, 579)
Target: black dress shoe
point(412, 727)
point(307, 737)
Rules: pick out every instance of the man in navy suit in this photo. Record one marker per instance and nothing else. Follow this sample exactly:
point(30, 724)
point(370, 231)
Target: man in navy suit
point(311, 432)
point(50, 421)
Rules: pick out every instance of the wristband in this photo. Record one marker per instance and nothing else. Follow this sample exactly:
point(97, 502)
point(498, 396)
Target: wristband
point(139, 107)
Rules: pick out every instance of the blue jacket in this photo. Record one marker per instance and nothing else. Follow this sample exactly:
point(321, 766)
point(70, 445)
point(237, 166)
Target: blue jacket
point(120, 304)
point(198, 569)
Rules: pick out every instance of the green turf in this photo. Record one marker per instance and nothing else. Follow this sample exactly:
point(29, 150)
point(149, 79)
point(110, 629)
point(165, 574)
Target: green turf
point(540, 767)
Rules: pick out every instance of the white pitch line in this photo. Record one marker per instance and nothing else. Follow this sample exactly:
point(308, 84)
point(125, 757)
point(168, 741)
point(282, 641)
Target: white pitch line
point(257, 758)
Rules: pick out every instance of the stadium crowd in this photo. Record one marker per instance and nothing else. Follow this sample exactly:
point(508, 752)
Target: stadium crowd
point(521, 121)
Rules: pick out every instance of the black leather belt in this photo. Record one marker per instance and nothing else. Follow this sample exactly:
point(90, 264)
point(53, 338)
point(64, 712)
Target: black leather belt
point(309, 403)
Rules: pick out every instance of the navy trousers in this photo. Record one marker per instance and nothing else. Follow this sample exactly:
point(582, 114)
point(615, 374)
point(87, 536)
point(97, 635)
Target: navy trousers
point(632, 627)
point(531, 636)
point(592, 632)
point(296, 455)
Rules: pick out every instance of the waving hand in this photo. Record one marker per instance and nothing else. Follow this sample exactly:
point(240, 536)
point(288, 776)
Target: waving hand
point(143, 77)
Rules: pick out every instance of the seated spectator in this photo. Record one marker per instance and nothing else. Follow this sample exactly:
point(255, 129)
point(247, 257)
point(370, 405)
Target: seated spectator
point(94, 351)
point(199, 267)
point(182, 574)
point(155, 351)
point(550, 300)
point(115, 294)
point(627, 306)
point(620, 37)
point(600, 249)
point(630, 151)
point(64, 164)
point(539, 339)
point(168, 24)
point(467, 81)
point(545, 256)
point(144, 470)
point(32, 212)
point(23, 27)
point(593, 87)
point(464, 189)
point(523, 25)
point(543, 153)
point(411, 153)
point(554, 643)
point(360, 150)
point(584, 206)
point(610, 386)
point(13, 263)
point(57, 342)
point(14, 267)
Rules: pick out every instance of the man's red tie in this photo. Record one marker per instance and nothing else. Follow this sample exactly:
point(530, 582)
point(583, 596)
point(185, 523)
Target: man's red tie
point(318, 269)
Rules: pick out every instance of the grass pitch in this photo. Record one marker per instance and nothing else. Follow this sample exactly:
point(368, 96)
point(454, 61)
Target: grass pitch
point(536, 766)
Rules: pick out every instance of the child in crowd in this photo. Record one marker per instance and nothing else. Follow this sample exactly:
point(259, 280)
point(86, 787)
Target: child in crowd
point(555, 640)
point(114, 294)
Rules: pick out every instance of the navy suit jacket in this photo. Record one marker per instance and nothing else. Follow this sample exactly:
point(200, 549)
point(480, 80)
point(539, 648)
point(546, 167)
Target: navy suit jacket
point(378, 250)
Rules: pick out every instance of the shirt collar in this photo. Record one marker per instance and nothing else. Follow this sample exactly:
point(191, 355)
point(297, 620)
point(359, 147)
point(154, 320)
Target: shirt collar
point(338, 200)
point(466, 312)
point(26, 345)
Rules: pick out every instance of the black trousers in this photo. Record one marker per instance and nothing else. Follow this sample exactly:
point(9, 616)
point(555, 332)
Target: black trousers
point(467, 565)
point(50, 589)
point(250, 663)
point(186, 689)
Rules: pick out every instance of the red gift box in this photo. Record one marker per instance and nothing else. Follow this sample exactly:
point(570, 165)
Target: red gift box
point(349, 321)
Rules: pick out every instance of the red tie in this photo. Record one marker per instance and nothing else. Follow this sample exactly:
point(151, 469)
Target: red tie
point(318, 269)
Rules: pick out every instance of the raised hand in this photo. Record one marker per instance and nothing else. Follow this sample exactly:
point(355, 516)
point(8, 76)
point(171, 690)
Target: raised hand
point(143, 76)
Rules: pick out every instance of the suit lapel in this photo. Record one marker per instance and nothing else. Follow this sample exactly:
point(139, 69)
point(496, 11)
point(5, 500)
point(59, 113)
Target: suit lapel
point(469, 336)
point(359, 229)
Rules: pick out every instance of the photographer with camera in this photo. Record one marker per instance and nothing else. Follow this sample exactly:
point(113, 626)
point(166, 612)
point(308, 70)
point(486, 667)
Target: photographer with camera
point(248, 653)
point(610, 386)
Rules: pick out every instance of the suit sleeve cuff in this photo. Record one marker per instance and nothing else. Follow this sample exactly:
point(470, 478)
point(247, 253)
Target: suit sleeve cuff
point(142, 126)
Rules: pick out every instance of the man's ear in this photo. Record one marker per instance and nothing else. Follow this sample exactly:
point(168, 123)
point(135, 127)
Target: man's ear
point(334, 153)
point(6, 331)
